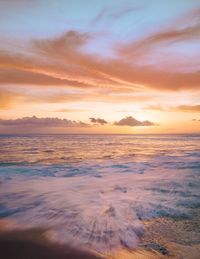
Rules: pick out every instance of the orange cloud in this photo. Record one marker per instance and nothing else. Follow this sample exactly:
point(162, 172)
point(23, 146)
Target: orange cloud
point(156, 108)
point(189, 108)
point(16, 76)
point(71, 110)
point(18, 95)
point(180, 108)
point(8, 99)
point(62, 61)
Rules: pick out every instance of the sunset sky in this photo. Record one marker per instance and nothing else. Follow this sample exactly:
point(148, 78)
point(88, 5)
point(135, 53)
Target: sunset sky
point(100, 66)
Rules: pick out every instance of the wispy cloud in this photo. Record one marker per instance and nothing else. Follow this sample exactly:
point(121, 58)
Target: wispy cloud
point(189, 108)
point(113, 15)
point(179, 108)
point(186, 29)
point(45, 71)
point(62, 60)
point(68, 110)
point(8, 99)
point(36, 78)
point(61, 94)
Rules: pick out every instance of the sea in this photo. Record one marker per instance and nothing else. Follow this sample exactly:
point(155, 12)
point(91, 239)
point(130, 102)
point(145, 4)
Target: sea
point(96, 191)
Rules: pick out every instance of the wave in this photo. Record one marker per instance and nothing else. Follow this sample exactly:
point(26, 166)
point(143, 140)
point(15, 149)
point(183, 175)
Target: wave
point(92, 195)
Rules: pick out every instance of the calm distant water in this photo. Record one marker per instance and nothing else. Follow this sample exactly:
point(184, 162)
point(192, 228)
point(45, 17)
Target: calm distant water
point(95, 190)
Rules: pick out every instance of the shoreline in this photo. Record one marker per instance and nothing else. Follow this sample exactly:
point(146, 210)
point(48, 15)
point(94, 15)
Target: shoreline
point(163, 238)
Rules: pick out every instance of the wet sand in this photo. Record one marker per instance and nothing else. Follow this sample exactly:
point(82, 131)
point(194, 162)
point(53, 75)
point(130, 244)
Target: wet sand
point(163, 238)
point(174, 237)
point(32, 244)
point(168, 238)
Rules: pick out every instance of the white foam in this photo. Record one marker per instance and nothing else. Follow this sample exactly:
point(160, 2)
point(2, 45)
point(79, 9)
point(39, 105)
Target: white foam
point(101, 213)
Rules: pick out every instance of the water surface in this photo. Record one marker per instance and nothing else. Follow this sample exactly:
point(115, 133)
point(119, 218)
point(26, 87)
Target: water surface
point(95, 190)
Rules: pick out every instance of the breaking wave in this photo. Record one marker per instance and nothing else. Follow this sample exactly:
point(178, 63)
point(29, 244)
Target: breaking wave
point(88, 192)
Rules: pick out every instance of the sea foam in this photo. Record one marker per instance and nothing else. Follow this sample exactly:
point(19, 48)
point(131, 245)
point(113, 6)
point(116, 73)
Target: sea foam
point(98, 197)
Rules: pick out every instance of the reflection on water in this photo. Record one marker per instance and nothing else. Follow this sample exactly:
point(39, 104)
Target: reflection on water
point(95, 190)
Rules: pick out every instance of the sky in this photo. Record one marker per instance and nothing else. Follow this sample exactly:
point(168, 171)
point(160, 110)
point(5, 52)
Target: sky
point(100, 66)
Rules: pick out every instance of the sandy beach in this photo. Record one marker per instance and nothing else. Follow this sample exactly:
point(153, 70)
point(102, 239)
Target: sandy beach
point(168, 238)
point(163, 238)
point(32, 243)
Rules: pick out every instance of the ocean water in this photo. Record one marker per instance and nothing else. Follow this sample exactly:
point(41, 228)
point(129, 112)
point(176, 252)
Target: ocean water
point(95, 191)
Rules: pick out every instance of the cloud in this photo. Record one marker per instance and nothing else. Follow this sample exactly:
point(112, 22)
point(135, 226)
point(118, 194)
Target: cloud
point(63, 58)
point(98, 121)
point(71, 110)
point(180, 108)
point(187, 28)
point(123, 12)
point(55, 62)
point(66, 44)
point(33, 123)
point(156, 108)
point(189, 108)
point(65, 123)
point(8, 99)
point(114, 15)
point(23, 77)
point(38, 68)
point(41, 122)
point(132, 122)
point(24, 94)
point(16, 76)
point(115, 73)
point(63, 61)
point(195, 120)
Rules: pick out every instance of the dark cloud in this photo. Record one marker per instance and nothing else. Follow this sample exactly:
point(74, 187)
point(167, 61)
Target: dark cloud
point(98, 121)
point(132, 122)
point(34, 122)
point(41, 122)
